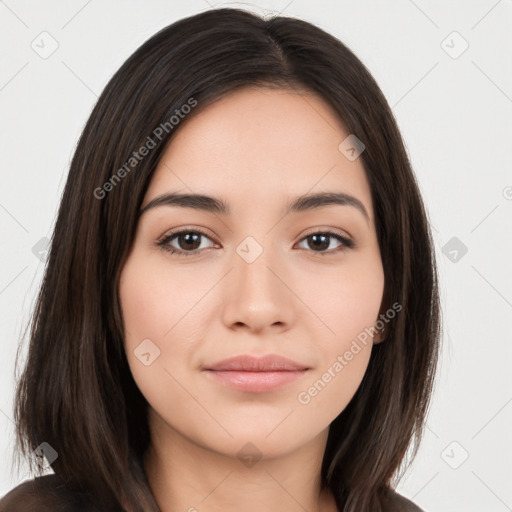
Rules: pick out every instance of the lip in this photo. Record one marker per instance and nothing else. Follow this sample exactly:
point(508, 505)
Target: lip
point(256, 374)
point(248, 363)
point(255, 382)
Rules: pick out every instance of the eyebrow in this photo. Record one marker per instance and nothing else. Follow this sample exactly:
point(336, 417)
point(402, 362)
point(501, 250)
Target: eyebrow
point(216, 205)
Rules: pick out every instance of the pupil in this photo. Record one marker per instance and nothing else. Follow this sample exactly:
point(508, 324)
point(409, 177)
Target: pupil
point(323, 244)
point(191, 238)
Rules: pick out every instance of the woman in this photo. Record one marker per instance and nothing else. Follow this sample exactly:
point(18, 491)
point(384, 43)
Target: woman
point(240, 306)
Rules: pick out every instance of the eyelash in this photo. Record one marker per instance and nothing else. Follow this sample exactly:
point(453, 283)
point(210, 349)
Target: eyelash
point(164, 242)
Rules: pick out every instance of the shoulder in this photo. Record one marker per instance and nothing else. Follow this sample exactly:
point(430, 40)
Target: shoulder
point(397, 503)
point(43, 494)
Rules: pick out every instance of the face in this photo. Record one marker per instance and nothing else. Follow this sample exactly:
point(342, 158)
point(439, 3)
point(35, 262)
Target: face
point(254, 280)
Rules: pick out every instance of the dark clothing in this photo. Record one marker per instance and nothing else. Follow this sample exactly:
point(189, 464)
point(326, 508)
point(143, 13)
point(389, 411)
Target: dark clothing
point(44, 494)
point(48, 494)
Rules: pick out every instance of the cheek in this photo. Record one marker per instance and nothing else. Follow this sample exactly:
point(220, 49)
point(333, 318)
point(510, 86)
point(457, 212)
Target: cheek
point(157, 309)
point(143, 310)
point(347, 300)
point(348, 303)
point(345, 351)
point(154, 299)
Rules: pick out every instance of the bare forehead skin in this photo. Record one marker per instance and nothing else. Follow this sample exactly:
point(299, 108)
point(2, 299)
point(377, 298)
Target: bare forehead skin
point(264, 145)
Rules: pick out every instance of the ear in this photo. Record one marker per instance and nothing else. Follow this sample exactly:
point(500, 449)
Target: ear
point(382, 327)
point(380, 336)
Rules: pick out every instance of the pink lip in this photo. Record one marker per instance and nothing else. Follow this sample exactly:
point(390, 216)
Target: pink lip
point(256, 375)
point(249, 363)
point(256, 382)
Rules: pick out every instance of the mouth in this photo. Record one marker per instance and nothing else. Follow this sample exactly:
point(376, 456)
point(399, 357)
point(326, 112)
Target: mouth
point(252, 374)
point(255, 381)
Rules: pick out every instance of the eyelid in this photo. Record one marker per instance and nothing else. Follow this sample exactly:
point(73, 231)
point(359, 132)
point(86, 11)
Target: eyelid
point(326, 229)
point(311, 231)
point(179, 230)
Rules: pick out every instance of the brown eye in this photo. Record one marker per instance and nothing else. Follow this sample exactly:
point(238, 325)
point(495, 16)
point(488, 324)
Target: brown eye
point(188, 242)
point(320, 242)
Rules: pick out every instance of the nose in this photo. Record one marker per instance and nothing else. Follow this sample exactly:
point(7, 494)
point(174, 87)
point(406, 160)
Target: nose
point(258, 295)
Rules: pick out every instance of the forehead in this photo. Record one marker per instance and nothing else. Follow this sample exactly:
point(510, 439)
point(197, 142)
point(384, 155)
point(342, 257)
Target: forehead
point(259, 145)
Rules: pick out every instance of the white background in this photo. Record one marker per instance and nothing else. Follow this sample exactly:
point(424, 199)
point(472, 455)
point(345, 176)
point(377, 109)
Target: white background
point(455, 115)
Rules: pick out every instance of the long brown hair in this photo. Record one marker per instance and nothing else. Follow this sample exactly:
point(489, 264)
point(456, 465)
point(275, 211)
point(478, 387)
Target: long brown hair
point(76, 392)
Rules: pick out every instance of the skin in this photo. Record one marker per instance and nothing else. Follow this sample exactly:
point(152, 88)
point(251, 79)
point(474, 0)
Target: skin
point(257, 149)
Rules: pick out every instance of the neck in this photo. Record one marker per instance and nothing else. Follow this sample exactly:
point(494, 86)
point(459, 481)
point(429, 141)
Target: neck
point(186, 476)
